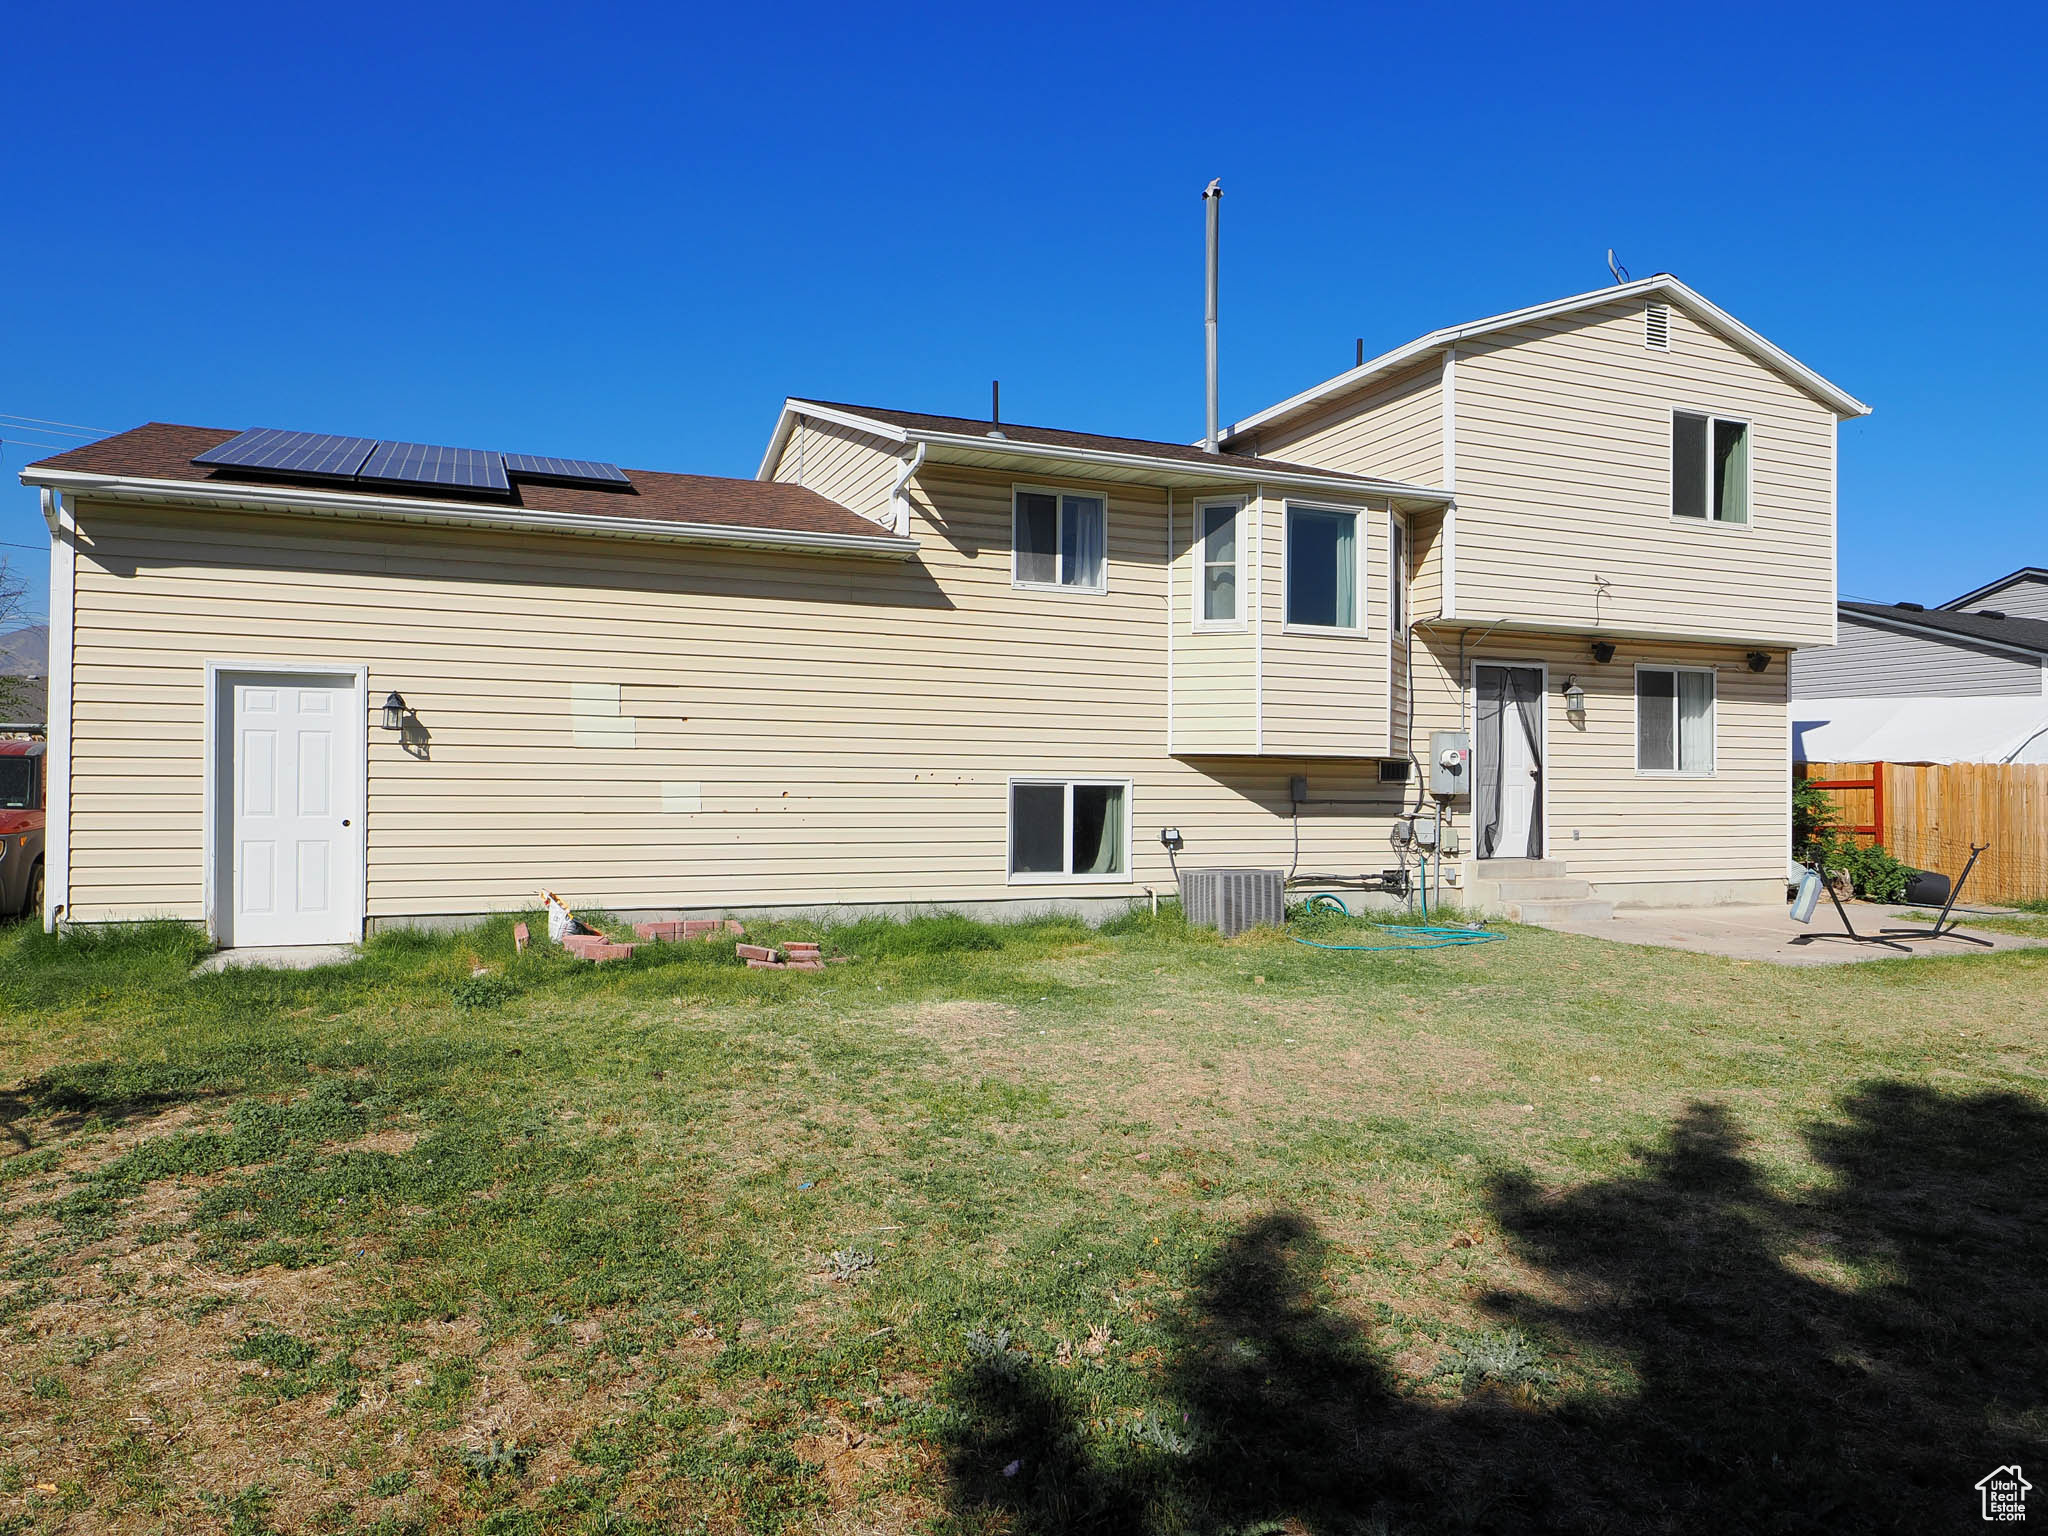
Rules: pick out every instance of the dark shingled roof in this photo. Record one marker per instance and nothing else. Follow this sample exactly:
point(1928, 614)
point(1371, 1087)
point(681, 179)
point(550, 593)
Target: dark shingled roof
point(1055, 437)
point(2027, 634)
point(162, 451)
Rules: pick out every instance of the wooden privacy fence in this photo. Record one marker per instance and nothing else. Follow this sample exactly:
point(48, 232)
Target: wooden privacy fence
point(1928, 815)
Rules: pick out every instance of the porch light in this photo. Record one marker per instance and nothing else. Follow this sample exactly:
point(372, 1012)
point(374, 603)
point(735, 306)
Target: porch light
point(395, 711)
point(1574, 700)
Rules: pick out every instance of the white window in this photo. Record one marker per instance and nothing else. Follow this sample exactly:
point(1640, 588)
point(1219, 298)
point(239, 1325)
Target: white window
point(1709, 467)
point(1058, 538)
point(1397, 577)
point(1070, 829)
point(1219, 534)
point(1675, 720)
point(1324, 557)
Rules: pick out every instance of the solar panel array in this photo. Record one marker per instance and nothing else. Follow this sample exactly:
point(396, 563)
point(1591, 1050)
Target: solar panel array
point(546, 468)
point(298, 453)
point(424, 464)
point(327, 456)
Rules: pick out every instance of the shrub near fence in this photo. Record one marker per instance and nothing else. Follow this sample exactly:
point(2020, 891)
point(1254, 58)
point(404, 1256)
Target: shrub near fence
point(1928, 814)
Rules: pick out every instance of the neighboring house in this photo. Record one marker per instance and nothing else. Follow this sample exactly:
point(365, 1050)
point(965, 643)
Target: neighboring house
point(928, 659)
point(1911, 684)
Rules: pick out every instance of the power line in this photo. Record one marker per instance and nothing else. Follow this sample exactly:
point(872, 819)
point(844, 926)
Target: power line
point(45, 422)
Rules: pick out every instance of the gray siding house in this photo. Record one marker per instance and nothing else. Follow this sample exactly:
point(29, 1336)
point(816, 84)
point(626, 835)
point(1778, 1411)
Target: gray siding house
point(1964, 682)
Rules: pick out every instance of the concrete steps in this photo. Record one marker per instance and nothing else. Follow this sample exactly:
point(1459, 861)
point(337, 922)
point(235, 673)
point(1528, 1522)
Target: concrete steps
point(1536, 891)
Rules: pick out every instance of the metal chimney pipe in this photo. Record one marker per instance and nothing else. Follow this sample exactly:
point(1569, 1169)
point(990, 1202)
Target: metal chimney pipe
point(1212, 199)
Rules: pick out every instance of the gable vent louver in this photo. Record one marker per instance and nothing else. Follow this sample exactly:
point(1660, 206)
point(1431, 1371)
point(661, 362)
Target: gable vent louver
point(1657, 327)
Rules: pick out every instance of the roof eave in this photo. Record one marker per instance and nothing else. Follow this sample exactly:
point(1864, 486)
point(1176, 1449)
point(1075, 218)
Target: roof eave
point(132, 490)
point(1941, 632)
point(1844, 404)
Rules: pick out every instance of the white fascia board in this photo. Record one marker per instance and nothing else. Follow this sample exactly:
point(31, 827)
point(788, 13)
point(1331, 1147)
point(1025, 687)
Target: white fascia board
point(1191, 471)
point(793, 410)
point(261, 499)
point(1844, 403)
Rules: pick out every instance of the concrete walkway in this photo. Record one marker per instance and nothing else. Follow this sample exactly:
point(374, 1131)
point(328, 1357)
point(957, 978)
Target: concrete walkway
point(282, 957)
point(1768, 933)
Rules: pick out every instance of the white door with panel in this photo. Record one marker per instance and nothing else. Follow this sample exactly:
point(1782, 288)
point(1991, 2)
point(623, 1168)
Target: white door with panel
point(293, 797)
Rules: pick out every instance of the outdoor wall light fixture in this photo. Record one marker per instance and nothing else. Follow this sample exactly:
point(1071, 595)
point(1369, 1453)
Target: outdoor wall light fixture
point(1170, 839)
point(1759, 660)
point(1603, 651)
point(395, 711)
point(1574, 700)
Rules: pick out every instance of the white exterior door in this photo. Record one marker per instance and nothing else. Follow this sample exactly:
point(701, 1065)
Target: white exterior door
point(1508, 807)
point(293, 799)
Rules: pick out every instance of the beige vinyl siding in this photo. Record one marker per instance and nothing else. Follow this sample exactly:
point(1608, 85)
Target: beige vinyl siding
point(1214, 670)
point(1636, 828)
point(1875, 661)
point(850, 725)
point(1324, 694)
point(1563, 474)
point(1394, 431)
point(852, 468)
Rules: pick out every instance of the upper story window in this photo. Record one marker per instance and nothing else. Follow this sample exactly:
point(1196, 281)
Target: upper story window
point(1058, 539)
point(1709, 467)
point(1324, 558)
point(1675, 720)
point(1218, 599)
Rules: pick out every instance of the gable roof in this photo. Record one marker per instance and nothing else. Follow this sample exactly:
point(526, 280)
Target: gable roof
point(1011, 445)
point(155, 462)
point(1663, 284)
point(2030, 635)
point(2024, 573)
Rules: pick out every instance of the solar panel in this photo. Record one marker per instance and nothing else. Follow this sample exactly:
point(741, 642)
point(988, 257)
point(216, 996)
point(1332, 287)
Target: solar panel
point(426, 464)
point(565, 469)
point(299, 453)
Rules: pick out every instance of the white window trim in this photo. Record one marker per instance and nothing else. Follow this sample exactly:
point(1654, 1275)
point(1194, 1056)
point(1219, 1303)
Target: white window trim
point(1361, 539)
point(1400, 592)
point(1069, 784)
point(1199, 623)
point(1748, 469)
point(1712, 770)
point(1058, 491)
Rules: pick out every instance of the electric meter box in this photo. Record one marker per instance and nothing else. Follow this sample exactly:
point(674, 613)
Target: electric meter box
point(1450, 763)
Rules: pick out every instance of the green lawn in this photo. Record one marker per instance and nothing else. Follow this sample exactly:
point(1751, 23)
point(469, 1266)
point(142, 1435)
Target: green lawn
point(1023, 1229)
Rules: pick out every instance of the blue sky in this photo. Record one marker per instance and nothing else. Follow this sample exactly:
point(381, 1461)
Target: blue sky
point(627, 232)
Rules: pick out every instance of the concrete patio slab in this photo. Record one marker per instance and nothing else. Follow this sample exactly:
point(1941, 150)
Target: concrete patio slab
point(1768, 933)
point(284, 957)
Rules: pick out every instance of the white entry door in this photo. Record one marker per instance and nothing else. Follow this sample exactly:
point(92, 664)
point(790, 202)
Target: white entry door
point(1508, 808)
point(294, 792)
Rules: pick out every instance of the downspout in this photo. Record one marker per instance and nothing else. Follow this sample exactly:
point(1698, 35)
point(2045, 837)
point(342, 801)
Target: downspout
point(63, 521)
point(899, 500)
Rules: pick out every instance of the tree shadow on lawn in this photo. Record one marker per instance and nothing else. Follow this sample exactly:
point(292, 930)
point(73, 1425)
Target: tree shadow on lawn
point(1774, 1394)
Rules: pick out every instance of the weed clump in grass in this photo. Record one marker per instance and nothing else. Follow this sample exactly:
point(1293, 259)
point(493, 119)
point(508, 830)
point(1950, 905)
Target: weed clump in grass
point(485, 991)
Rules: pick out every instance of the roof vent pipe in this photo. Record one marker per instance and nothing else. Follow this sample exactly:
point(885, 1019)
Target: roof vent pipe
point(1212, 200)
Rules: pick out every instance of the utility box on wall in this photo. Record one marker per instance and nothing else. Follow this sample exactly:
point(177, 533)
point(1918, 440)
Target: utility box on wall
point(1450, 763)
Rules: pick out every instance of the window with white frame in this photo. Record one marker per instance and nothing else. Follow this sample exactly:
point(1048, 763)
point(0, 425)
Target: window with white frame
point(1324, 548)
point(1675, 720)
point(1059, 539)
point(1069, 829)
point(1221, 542)
point(1397, 577)
point(1709, 467)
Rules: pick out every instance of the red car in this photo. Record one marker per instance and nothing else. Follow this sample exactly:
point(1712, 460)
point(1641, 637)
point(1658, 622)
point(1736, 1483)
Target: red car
point(21, 827)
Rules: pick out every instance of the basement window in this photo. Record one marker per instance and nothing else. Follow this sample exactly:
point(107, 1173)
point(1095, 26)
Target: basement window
point(1709, 467)
point(1675, 721)
point(1069, 829)
point(1058, 539)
